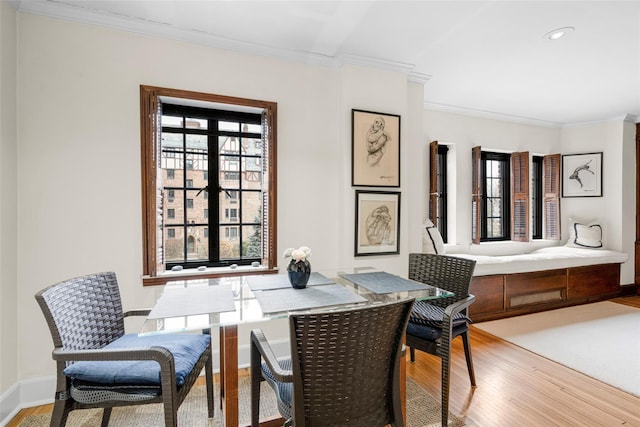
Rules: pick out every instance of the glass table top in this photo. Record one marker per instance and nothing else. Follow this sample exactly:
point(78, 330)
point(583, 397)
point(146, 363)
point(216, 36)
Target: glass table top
point(193, 305)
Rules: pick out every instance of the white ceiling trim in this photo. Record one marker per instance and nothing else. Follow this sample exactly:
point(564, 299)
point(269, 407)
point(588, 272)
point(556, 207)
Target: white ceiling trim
point(491, 115)
point(83, 15)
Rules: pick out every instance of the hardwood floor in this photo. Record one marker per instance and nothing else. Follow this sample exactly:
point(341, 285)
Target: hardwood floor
point(519, 388)
point(515, 388)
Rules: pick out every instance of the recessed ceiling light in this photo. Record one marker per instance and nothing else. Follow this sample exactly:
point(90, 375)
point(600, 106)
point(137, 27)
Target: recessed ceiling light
point(558, 33)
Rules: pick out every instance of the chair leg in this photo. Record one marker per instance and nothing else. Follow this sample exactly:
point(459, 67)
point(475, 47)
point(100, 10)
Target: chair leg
point(106, 415)
point(445, 356)
point(256, 378)
point(61, 409)
point(170, 415)
point(208, 373)
point(412, 354)
point(467, 354)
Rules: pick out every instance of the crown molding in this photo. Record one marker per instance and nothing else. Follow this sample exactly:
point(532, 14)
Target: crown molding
point(86, 15)
point(491, 115)
point(366, 61)
point(416, 77)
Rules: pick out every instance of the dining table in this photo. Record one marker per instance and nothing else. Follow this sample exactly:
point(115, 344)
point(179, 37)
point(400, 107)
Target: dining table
point(226, 303)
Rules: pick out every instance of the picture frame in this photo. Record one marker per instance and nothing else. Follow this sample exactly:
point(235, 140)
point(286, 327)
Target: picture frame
point(375, 149)
point(377, 223)
point(582, 175)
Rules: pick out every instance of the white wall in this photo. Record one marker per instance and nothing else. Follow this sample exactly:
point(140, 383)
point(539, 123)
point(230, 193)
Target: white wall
point(78, 160)
point(464, 132)
point(615, 210)
point(8, 202)
point(79, 155)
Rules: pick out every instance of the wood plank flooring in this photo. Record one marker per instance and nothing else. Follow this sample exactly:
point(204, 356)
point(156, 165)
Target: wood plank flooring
point(519, 388)
point(515, 388)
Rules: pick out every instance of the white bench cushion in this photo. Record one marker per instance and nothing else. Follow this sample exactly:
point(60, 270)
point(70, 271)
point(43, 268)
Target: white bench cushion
point(543, 259)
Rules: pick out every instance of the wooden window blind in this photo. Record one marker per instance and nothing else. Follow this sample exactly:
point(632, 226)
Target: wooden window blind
point(476, 193)
point(551, 200)
point(520, 196)
point(433, 182)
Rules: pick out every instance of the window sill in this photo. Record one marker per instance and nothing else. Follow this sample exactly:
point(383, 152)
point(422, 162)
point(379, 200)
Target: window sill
point(209, 273)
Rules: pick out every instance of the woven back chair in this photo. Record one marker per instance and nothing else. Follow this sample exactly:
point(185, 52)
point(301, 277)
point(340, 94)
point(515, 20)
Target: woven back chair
point(435, 323)
point(98, 366)
point(344, 367)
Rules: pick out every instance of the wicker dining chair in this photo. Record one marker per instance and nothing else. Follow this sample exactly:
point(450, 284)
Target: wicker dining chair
point(344, 367)
point(435, 323)
point(99, 366)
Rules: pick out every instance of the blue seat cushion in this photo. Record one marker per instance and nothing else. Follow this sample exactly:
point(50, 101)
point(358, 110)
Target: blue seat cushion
point(284, 391)
point(186, 350)
point(430, 333)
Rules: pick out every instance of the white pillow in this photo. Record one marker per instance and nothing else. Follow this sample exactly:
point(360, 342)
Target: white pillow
point(432, 242)
point(584, 236)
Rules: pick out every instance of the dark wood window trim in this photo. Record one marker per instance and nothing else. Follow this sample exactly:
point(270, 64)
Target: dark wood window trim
point(153, 266)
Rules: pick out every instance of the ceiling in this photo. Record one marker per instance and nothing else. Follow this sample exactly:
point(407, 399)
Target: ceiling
point(479, 57)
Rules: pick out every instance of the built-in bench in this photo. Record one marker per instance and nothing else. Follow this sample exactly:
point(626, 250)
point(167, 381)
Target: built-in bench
point(541, 280)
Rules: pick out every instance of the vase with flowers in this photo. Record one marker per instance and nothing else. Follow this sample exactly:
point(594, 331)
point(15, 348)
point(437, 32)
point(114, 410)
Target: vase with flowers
point(299, 268)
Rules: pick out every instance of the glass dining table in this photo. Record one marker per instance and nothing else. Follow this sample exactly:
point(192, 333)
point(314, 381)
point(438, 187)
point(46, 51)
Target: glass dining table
point(226, 303)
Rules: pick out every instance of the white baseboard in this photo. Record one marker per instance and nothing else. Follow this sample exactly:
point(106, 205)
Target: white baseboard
point(39, 391)
point(25, 394)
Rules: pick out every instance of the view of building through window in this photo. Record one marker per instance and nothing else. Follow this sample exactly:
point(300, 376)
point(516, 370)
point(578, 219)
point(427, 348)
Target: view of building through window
point(211, 165)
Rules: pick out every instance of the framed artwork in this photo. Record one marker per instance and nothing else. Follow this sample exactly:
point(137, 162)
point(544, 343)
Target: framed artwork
point(377, 223)
point(375, 149)
point(582, 175)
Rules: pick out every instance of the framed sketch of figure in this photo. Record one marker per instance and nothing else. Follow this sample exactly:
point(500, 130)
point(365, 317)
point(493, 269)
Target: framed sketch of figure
point(582, 175)
point(375, 149)
point(377, 223)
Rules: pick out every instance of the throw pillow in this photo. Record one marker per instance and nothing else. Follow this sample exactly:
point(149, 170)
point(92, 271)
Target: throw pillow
point(584, 236)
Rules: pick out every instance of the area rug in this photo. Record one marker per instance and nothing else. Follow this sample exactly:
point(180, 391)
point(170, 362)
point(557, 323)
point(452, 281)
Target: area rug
point(423, 410)
point(601, 340)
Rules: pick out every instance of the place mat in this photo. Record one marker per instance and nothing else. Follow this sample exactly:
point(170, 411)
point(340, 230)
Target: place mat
point(383, 283)
point(279, 281)
point(187, 301)
point(289, 299)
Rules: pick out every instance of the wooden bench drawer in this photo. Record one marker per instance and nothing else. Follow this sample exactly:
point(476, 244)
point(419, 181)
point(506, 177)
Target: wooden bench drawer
point(489, 293)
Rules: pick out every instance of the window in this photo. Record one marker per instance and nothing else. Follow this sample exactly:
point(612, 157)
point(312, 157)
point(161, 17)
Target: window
point(171, 233)
point(441, 188)
point(495, 213)
point(491, 192)
point(222, 143)
point(536, 197)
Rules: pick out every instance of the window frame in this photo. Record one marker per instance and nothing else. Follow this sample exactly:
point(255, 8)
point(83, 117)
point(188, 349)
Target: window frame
point(150, 98)
point(505, 215)
point(537, 197)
